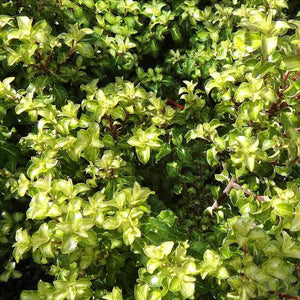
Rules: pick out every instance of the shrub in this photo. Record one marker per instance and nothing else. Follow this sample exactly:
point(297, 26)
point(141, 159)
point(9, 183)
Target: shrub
point(149, 149)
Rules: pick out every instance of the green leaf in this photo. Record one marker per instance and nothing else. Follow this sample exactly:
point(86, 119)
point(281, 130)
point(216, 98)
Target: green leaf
point(295, 225)
point(263, 68)
point(69, 244)
point(143, 154)
point(4, 19)
point(111, 223)
point(268, 45)
point(85, 49)
point(246, 41)
point(284, 209)
point(291, 64)
point(22, 245)
point(187, 289)
point(153, 252)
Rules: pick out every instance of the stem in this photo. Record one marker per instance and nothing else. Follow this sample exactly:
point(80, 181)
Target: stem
point(112, 128)
point(224, 194)
point(37, 67)
point(286, 75)
point(39, 55)
point(296, 77)
point(248, 192)
point(175, 103)
point(123, 124)
point(236, 105)
point(72, 50)
point(286, 296)
point(49, 58)
point(276, 107)
point(42, 5)
point(234, 185)
point(19, 4)
point(41, 58)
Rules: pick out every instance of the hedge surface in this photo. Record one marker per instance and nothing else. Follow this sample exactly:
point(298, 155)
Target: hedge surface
point(149, 149)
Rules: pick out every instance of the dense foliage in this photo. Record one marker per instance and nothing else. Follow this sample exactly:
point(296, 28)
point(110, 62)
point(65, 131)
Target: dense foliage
point(149, 149)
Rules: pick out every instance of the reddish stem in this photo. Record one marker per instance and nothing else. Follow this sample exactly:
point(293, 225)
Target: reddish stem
point(72, 50)
point(296, 77)
point(286, 296)
point(42, 5)
point(41, 58)
point(265, 76)
point(112, 127)
point(19, 4)
point(39, 55)
point(297, 97)
point(298, 129)
point(286, 76)
point(175, 103)
point(124, 122)
point(276, 107)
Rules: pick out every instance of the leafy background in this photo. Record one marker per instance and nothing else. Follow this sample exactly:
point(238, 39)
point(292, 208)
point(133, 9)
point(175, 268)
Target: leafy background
point(149, 149)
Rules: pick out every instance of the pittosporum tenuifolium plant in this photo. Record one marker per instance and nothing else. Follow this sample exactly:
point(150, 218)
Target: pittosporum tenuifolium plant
point(149, 149)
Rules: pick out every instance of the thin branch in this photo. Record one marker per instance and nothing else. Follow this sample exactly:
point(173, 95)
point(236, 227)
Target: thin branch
point(286, 76)
point(285, 296)
point(72, 50)
point(41, 58)
point(224, 194)
point(175, 103)
point(19, 4)
point(42, 5)
point(112, 127)
point(234, 185)
point(39, 55)
point(296, 76)
point(276, 107)
point(123, 123)
point(37, 67)
point(248, 192)
point(49, 58)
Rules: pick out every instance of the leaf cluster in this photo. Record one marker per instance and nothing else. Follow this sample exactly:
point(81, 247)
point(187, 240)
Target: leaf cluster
point(149, 149)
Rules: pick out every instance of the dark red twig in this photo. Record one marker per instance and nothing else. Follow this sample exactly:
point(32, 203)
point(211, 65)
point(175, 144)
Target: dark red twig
point(276, 107)
point(286, 76)
point(37, 67)
point(175, 104)
point(286, 296)
point(41, 58)
point(112, 127)
point(296, 76)
point(42, 5)
point(39, 55)
point(124, 122)
point(49, 58)
point(72, 50)
point(19, 4)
